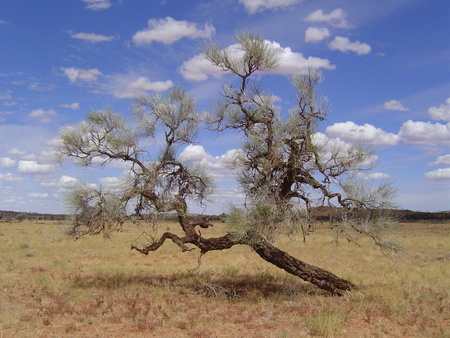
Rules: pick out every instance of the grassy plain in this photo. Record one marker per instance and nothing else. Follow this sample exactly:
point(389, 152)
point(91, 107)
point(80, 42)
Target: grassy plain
point(52, 286)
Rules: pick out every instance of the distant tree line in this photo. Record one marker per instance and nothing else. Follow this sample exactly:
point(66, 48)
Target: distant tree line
point(324, 214)
point(9, 216)
point(320, 214)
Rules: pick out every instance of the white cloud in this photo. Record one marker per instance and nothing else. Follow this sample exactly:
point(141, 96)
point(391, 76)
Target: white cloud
point(441, 160)
point(97, 5)
point(394, 105)
point(289, 63)
point(82, 75)
point(332, 148)
point(29, 157)
point(193, 153)
point(169, 30)
point(217, 166)
point(32, 167)
point(316, 34)
point(438, 175)
point(92, 37)
point(67, 181)
point(254, 6)
point(337, 18)
point(373, 176)
point(425, 133)
point(127, 86)
point(351, 132)
point(75, 105)
point(198, 68)
point(41, 113)
point(344, 44)
point(112, 184)
point(38, 195)
point(63, 182)
point(8, 177)
point(378, 176)
point(6, 162)
point(441, 113)
point(16, 151)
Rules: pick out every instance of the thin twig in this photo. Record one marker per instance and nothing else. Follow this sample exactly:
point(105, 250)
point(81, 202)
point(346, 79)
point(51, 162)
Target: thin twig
point(199, 263)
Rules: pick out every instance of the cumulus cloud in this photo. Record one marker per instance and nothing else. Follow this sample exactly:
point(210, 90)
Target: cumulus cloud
point(337, 17)
point(255, 6)
point(32, 167)
point(75, 105)
point(438, 175)
point(193, 153)
point(8, 177)
point(291, 62)
point(41, 113)
point(92, 37)
point(169, 30)
point(6, 162)
point(16, 152)
point(81, 75)
point(368, 134)
point(441, 160)
point(394, 105)
point(128, 86)
point(217, 166)
point(316, 34)
point(344, 45)
point(97, 5)
point(378, 176)
point(425, 133)
point(337, 148)
point(112, 184)
point(67, 181)
point(441, 113)
point(62, 182)
point(373, 176)
point(199, 68)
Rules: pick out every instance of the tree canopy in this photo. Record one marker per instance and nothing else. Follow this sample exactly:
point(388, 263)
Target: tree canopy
point(285, 167)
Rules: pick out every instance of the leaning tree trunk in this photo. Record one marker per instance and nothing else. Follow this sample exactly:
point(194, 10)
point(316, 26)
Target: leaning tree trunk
point(324, 279)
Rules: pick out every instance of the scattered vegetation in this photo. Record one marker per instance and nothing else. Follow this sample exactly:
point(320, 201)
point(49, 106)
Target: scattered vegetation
point(85, 288)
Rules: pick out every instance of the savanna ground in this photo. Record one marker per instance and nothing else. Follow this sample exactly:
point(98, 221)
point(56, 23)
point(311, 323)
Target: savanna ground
point(53, 286)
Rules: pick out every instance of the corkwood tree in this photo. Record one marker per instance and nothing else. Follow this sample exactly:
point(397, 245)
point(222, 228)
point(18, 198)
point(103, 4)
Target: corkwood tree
point(284, 167)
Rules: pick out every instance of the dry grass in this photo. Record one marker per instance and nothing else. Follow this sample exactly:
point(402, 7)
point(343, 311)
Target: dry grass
point(53, 286)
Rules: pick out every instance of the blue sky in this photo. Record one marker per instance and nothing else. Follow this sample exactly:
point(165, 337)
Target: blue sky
point(385, 64)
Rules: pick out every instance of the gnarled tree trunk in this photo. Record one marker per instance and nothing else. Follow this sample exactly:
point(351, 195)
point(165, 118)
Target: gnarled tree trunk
point(323, 279)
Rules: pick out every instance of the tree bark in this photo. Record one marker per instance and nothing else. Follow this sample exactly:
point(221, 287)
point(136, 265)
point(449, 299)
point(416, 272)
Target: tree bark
point(324, 279)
